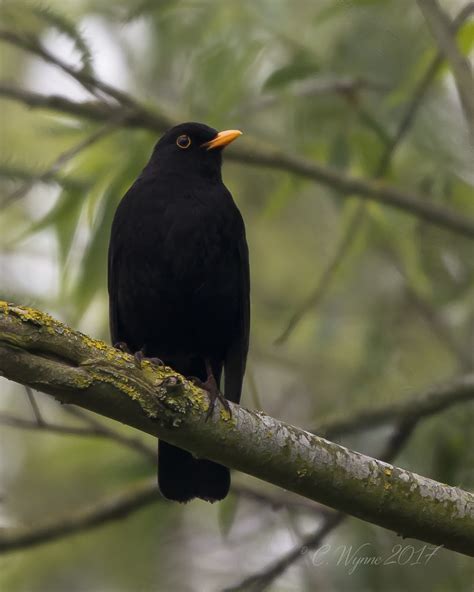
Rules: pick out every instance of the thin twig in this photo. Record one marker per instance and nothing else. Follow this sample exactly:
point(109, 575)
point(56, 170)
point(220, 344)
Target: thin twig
point(126, 102)
point(261, 580)
point(435, 400)
point(114, 507)
point(344, 245)
point(440, 328)
point(95, 429)
point(442, 31)
point(107, 432)
point(47, 427)
point(34, 405)
point(279, 500)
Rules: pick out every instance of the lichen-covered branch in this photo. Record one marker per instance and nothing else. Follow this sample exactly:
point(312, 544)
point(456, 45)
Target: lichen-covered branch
point(45, 354)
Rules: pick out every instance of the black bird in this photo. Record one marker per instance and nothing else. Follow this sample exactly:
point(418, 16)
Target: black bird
point(178, 279)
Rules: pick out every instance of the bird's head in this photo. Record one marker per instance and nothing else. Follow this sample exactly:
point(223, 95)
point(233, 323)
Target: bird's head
point(192, 148)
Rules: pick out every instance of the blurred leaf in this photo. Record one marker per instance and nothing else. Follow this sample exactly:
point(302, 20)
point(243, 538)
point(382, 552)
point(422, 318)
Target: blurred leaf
point(465, 37)
point(368, 120)
point(340, 154)
point(94, 262)
point(64, 218)
point(301, 66)
point(334, 9)
point(401, 233)
point(283, 194)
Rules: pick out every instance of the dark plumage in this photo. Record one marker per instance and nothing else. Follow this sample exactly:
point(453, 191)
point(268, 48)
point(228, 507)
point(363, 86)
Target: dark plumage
point(179, 282)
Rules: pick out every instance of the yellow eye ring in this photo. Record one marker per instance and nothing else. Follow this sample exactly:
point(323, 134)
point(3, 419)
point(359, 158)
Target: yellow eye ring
point(183, 141)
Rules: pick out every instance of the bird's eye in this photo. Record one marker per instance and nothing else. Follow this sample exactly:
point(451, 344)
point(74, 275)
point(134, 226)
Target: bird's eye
point(183, 141)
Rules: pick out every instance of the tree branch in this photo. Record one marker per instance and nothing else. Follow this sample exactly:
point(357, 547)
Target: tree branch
point(95, 430)
point(45, 354)
point(433, 401)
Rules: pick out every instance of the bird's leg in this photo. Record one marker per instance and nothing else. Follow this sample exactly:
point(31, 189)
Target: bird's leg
point(213, 392)
point(139, 357)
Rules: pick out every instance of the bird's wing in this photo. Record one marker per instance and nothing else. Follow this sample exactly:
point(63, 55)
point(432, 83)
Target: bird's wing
point(236, 356)
point(115, 332)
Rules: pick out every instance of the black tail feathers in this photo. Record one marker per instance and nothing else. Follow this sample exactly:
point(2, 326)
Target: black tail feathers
point(181, 477)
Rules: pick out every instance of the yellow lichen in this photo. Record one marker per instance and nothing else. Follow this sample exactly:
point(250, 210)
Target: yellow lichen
point(83, 381)
point(127, 389)
point(94, 343)
point(32, 315)
point(388, 471)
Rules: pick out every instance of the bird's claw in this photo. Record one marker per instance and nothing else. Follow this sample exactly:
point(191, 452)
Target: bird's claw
point(140, 357)
point(213, 392)
point(215, 395)
point(123, 347)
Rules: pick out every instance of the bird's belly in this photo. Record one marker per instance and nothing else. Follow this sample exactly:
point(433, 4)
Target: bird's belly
point(186, 301)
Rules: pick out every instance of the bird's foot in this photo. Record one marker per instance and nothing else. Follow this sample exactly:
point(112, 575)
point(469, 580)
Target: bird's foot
point(123, 347)
point(214, 394)
point(140, 357)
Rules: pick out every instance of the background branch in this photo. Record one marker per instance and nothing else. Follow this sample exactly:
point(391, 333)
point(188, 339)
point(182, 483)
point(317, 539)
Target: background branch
point(441, 30)
point(114, 507)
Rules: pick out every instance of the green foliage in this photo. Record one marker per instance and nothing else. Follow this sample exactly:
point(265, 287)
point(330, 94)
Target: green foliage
point(302, 65)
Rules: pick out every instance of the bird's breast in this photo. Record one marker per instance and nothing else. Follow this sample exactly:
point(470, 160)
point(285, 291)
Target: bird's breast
point(182, 272)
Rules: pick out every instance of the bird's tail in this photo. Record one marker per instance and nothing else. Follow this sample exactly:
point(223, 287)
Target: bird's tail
point(181, 477)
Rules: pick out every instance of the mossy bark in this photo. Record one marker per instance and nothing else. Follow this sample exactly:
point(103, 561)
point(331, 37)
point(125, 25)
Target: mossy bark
point(41, 352)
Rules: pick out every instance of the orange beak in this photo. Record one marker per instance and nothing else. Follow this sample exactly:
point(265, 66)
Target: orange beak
point(222, 139)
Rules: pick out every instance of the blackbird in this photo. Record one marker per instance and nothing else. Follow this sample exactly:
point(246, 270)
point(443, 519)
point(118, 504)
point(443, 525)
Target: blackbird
point(178, 280)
